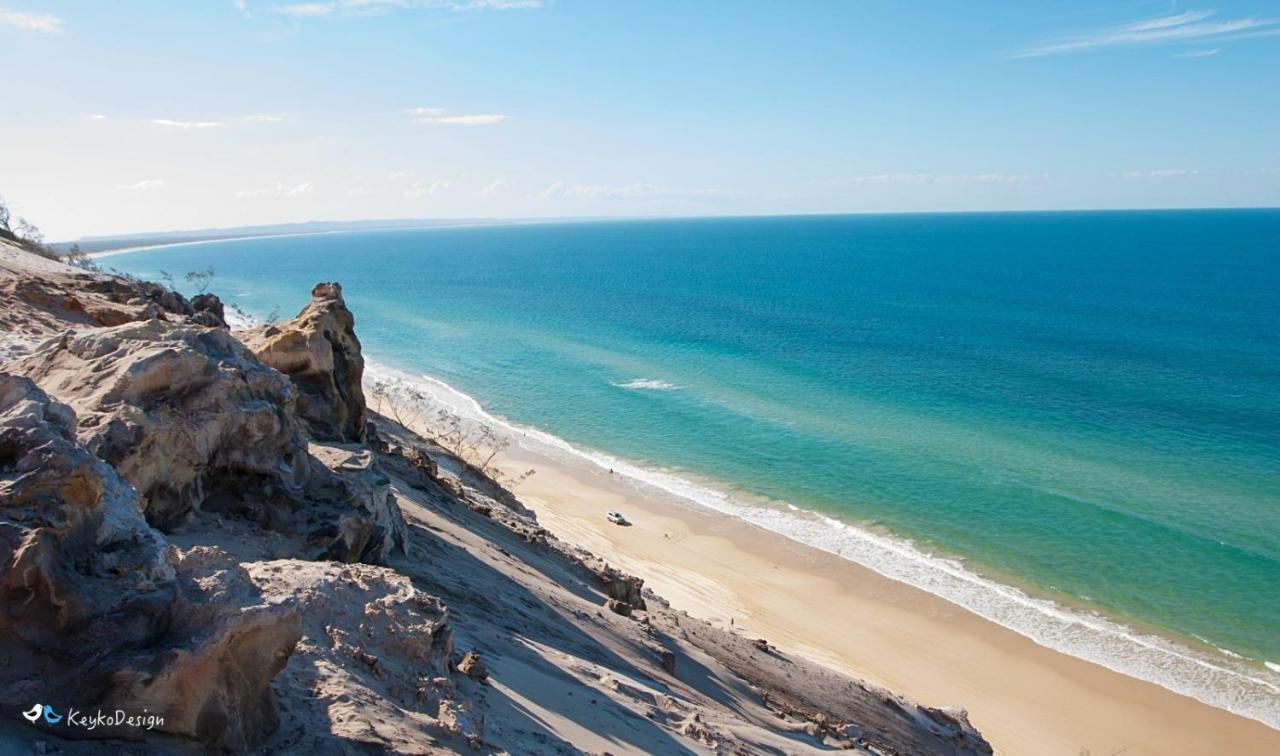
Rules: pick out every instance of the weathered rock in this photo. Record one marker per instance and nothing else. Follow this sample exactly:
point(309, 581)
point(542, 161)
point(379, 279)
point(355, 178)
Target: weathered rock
point(618, 607)
point(422, 462)
point(319, 350)
point(96, 609)
point(210, 676)
point(472, 666)
point(208, 311)
point(350, 515)
point(186, 414)
point(619, 585)
point(371, 641)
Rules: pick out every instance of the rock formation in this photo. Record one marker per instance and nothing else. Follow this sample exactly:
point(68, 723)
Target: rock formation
point(186, 414)
point(319, 350)
point(182, 519)
point(350, 516)
point(96, 608)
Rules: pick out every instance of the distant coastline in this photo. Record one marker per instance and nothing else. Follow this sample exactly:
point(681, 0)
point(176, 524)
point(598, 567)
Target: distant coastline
point(1073, 631)
point(97, 245)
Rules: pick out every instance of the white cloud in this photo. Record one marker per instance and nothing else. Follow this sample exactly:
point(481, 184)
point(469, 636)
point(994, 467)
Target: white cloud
point(560, 190)
point(895, 178)
point(420, 190)
point(379, 7)
point(401, 174)
point(466, 5)
point(935, 178)
point(440, 115)
point(95, 117)
point(36, 22)
point(305, 10)
point(1162, 173)
point(186, 125)
point(1197, 53)
point(144, 184)
point(279, 190)
point(1006, 178)
point(492, 189)
point(1171, 27)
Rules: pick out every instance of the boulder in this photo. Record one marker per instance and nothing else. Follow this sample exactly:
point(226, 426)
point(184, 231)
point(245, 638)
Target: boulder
point(619, 586)
point(98, 612)
point(473, 666)
point(350, 514)
point(186, 414)
point(371, 673)
point(319, 350)
point(207, 310)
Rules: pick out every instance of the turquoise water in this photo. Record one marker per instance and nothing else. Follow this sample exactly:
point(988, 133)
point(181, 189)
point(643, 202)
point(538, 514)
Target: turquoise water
point(1087, 401)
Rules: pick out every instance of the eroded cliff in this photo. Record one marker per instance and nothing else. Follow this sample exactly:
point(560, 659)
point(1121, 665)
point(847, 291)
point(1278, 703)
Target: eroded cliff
point(203, 525)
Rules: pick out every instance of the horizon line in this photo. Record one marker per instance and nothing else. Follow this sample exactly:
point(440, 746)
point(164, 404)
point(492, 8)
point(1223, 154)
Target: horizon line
point(517, 220)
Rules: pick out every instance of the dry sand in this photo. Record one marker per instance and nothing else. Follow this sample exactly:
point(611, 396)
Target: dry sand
point(1025, 698)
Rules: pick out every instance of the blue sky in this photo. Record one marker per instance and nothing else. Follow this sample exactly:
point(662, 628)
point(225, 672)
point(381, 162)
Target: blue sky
point(131, 116)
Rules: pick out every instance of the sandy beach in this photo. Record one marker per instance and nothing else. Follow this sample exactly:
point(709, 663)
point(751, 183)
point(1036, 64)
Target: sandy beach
point(1026, 698)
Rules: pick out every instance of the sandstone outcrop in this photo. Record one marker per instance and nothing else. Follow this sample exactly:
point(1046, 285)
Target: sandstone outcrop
point(96, 608)
point(350, 515)
point(186, 414)
point(372, 668)
point(276, 639)
point(618, 585)
point(319, 350)
point(70, 297)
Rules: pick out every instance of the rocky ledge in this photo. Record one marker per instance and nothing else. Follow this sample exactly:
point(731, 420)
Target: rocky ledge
point(204, 526)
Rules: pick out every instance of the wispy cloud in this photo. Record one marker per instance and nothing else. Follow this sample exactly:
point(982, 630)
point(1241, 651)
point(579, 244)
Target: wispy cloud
point(492, 189)
point(94, 117)
point(435, 188)
point(379, 7)
point(279, 190)
point(560, 189)
point(186, 125)
point(1171, 27)
point(894, 178)
point(440, 115)
point(144, 184)
point(937, 178)
point(1162, 173)
point(36, 22)
point(1197, 53)
point(305, 10)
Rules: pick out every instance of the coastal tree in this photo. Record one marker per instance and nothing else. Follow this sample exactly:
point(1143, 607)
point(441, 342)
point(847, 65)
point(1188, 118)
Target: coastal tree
point(200, 279)
point(477, 444)
point(24, 233)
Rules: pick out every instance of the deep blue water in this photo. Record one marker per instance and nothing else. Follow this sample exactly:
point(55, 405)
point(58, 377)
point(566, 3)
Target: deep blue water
point(1087, 401)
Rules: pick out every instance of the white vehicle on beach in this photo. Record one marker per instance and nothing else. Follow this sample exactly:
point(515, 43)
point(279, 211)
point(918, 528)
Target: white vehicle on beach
point(616, 518)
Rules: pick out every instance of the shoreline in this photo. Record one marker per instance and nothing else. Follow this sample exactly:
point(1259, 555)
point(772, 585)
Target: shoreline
point(851, 616)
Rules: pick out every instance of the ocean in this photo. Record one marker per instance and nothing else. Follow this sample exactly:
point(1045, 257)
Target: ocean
point(1067, 422)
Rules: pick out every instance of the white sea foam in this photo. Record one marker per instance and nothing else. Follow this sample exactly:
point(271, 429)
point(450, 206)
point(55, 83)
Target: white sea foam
point(648, 384)
point(1237, 685)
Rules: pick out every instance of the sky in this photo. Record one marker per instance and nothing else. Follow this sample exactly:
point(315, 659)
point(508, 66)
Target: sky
point(138, 115)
